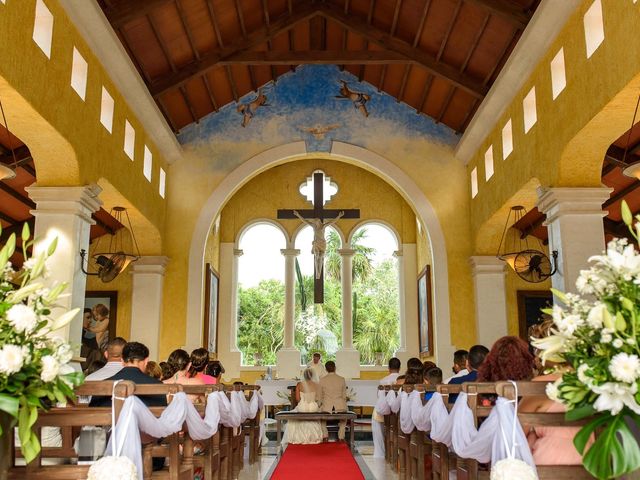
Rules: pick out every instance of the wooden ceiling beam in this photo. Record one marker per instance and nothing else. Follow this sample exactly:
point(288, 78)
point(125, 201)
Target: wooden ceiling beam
point(617, 229)
point(506, 10)
point(7, 218)
point(124, 12)
point(423, 18)
point(213, 58)
point(476, 41)
point(425, 94)
point(445, 105)
point(17, 195)
point(214, 23)
point(28, 168)
point(23, 155)
point(393, 44)
point(622, 193)
point(319, 57)
point(394, 25)
point(447, 34)
point(528, 230)
point(187, 29)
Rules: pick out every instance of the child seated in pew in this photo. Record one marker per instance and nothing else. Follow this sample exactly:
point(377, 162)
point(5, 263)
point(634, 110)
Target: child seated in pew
point(432, 377)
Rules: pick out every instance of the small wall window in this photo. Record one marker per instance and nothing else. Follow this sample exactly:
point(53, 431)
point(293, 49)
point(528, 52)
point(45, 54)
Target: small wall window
point(593, 27)
point(163, 180)
point(474, 182)
point(488, 163)
point(558, 76)
point(507, 140)
point(529, 107)
point(43, 28)
point(106, 110)
point(148, 163)
point(129, 139)
point(79, 69)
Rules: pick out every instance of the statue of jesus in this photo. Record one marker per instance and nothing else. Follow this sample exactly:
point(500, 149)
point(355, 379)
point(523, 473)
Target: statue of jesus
point(319, 245)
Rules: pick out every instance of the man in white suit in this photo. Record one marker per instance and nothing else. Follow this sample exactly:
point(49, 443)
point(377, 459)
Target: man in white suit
point(333, 396)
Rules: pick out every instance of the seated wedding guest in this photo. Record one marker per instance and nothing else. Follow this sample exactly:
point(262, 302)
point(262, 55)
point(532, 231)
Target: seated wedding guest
point(166, 371)
point(459, 364)
point(154, 370)
point(428, 365)
point(180, 363)
point(413, 373)
point(394, 372)
point(477, 354)
point(199, 362)
point(135, 356)
point(508, 359)
point(113, 354)
point(432, 378)
point(215, 370)
point(549, 445)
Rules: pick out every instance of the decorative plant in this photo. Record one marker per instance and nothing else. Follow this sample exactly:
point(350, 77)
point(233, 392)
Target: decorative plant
point(34, 362)
point(597, 336)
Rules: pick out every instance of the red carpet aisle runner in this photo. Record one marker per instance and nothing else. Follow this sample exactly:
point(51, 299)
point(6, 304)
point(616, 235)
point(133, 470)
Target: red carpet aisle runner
point(325, 461)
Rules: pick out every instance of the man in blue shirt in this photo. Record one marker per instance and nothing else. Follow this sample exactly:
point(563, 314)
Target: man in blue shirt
point(477, 354)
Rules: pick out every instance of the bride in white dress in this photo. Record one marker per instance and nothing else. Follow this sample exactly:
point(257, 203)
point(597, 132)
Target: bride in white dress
point(305, 431)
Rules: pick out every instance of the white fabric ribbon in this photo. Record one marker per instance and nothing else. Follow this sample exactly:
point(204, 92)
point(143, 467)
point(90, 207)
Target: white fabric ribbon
point(421, 414)
point(382, 406)
point(406, 422)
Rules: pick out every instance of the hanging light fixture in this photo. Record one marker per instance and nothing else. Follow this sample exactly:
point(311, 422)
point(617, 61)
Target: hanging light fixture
point(122, 250)
point(632, 170)
point(6, 172)
point(529, 263)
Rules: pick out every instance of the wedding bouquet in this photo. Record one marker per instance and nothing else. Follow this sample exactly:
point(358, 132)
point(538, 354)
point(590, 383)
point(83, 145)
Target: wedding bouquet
point(34, 363)
point(596, 334)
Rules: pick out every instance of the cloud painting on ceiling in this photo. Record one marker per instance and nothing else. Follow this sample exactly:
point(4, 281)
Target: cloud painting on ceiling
point(315, 103)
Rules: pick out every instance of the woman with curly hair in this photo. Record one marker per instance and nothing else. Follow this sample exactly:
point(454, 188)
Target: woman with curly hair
point(199, 362)
point(508, 359)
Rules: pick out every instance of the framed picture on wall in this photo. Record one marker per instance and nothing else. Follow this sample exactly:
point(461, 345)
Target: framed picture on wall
point(530, 302)
point(98, 323)
point(425, 323)
point(211, 292)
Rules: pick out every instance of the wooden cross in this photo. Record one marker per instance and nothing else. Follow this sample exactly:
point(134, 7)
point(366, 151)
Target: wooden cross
point(320, 213)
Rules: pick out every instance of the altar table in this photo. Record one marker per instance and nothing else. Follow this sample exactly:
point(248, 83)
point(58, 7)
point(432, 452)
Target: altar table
point(360, 393)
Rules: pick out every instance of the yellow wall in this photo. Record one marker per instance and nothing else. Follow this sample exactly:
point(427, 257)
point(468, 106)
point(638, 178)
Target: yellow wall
point(567, 144)
point(277, 188)
point(68, 143)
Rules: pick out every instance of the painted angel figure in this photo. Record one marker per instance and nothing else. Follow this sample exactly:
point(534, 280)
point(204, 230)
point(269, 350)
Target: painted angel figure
point(319, 244)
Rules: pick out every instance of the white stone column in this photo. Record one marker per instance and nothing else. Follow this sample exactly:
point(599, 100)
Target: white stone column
point(233, 325)
point(408, 295)
point(491, 300)
point(347, 358)
point(288, 357)
point(576, 230)
point(227, 348)
point(65, 213)
point(402, 347)
point(146, 301)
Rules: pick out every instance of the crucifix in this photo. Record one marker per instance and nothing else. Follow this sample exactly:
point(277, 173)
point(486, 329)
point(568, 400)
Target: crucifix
point(318, 218)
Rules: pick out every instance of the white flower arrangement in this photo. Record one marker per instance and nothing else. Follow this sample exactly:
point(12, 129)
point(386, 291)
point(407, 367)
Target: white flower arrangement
point(113, 468)
point(34, 363)
point(511, 469)
point(596, 335)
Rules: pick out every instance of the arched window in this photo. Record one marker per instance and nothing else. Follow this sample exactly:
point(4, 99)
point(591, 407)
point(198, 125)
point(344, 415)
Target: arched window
point(318, 328)
point(376, 305)
point(261, 294)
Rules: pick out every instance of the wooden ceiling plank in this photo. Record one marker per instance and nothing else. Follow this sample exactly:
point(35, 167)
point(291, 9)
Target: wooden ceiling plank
point(316, 32)
point(267, 22)
point(403, 84)
point(416, 55)
point(447, 34)
point(425, 94)
point(394, 25)
point(317, 57)
point(501, 58)
point(187, 29)
point(346, 6)
point(165, 112)
point(469, 115)
point(232, 83)
point(161, 42)
point(103, 225)
point(22, 155)
point(423, 19)
point(622, 193)
point(214, 23)
point(210, 93)
point(127, 11)
point(136, 63)
point(476, 42)
point(187, 100)
point(7, 218)
point(18, 196)
point(240, 15)
point(445, 105)
point(372, 5)
point(29, 169)
point(211, 59)
point(506, 10)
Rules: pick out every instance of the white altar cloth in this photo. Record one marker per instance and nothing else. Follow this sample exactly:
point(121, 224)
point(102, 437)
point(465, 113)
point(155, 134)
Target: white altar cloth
point(362, 393)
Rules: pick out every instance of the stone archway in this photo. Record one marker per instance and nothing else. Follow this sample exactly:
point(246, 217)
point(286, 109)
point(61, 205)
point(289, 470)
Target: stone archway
point(340, 151)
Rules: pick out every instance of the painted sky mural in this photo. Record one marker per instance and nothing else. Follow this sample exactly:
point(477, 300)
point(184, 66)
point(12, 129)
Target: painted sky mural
point(317, 104)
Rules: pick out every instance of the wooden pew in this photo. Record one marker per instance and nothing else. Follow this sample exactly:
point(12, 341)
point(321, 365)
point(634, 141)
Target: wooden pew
point(420, 447)
point(68, 419)
point(209, 459)
point(467, 468)
point(393, 433)
point(526, 389)
point(385, 427)
point(404, 444)
point(441, 458)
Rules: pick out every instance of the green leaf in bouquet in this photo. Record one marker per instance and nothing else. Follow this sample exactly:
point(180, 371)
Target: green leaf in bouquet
point(621, 324)
point(31, 449)
point(9, 404)
point(52, 247)
point(614, 452)
point(627, 304)
point(579, 413)
point(26, 233)
point(559, 295)
point(627, 216)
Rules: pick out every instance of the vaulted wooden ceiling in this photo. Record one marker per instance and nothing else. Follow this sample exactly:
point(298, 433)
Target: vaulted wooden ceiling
point(438, 56)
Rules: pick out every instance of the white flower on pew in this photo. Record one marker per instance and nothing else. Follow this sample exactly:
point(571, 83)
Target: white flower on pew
point(113, 468)
point(511, 469)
